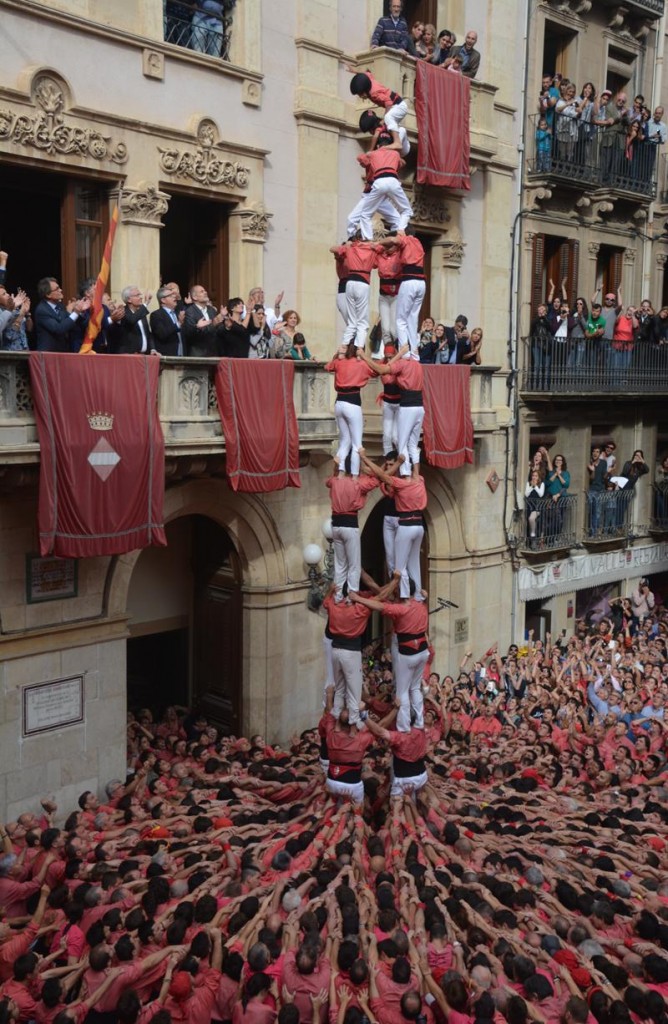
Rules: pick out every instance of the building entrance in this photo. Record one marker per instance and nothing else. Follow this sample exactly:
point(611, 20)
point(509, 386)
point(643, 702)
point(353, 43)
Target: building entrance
point(185, 611)
point(194, 246)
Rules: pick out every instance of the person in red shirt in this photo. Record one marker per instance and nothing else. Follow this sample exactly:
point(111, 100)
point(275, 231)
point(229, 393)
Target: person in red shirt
point(411, 288)
point(409, 770)
point(388, 264)
point(348, 495)
point(410, 619)
point(350, 376)
point(409, 375)
point(366, 87)
point(347, 623)
point(355, 261)
point(346, 746)
point(383, 187)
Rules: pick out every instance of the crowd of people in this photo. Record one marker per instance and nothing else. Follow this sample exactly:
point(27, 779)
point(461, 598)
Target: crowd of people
point(424, 43)
point(524, 881)
point(594, 130)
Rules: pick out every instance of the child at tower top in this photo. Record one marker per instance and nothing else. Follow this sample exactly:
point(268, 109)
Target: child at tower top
point(364, 85)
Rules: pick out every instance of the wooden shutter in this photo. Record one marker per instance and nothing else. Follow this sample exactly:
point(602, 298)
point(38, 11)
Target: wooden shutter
point(612, 273)
point(537, 273)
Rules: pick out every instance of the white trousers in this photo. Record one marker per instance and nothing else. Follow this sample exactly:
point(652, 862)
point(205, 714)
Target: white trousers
point(410, 785)
point(407, 545)
point(408, 675)
point(387, 307)
point(395, 115)
point(350, 422)
point(409, 425)
point(383, 189)
point(390, 427)
point(390, 527)
point(342, 305)
point(347, 683)
point(329, 668)
point(357, 308)
point(409, 302)
point(353, 791)
point(347, 557)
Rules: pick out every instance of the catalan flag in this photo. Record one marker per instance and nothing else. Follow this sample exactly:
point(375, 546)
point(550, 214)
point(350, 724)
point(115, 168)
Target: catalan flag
point(96, 312)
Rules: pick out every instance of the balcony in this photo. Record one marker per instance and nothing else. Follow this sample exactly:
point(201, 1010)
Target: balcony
point(181, 30)
point(608, 516)
point(547, 525)
point(659, 519)
point(588, 156)
point(397, 71)
point(645, 8)
point(189, 410)
point(583, 367)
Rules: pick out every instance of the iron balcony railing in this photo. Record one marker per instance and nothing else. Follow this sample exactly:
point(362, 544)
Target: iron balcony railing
point(548, 524)
point(659, 520)
point(185, 24)
point(582, 153)
point(608, 515)
point(593, 366)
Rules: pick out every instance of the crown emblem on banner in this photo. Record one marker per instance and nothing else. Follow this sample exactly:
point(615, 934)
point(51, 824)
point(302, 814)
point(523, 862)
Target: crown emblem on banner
point(101, 420)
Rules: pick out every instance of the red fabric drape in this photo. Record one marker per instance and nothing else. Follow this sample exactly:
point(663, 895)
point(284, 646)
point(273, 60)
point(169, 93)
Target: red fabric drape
point(447, 428)
point(259, 423)
point(442, 104)
point(101, 486)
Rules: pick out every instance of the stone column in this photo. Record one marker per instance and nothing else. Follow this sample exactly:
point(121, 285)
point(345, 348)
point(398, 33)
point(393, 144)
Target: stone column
point(136, 255)
point(248, 232)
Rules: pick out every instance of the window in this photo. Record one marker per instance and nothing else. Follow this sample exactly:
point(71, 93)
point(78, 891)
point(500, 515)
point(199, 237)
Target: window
point(554, 259)
point(609, 268)
point(557, 49)
point(417, 10)
point(620, 72)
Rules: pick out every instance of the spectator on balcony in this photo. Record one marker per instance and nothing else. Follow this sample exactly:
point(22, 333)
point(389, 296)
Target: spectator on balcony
point(598, 475)
point(587, 107)
point(426, 340)
point(207, 27)
point(543, 147)
point(455, 344)
point(474, 354)
point(55, 322)
point(633, 162)
point(284, 332)
point(541, 340)
point(612, 307)
point(260, 338)
point(415, 47)
point(659, 330)
point(134, 332)
point(299, 352)
point(594, 332)
point(470, 57)
point(429, 41)
point(547, 100)
point(578, 336)
point(562, 331)
point(201, 325)
point(557, 483)
point(446, 40)
point(626, 327)
point(635, 112)
point(539, 463)
point(15, 321)
point(661, 487)
point(612, 119)
point(3, 266)
point(233, 339)
point(634, 468)
point(533, 495)
point(166, 324)
point(656, 134)
point(392, 31)
point(609, 449)
point(567, 114)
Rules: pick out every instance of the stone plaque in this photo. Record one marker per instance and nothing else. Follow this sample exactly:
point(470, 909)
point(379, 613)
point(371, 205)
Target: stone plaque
point(52, 705)
point(461, 631)
point(49, 579)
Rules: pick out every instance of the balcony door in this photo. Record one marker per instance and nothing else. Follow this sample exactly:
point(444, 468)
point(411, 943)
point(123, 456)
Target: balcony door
point(553, 259)
point(194, 247)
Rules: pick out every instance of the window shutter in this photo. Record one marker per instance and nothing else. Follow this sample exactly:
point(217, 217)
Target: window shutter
point(537, 273)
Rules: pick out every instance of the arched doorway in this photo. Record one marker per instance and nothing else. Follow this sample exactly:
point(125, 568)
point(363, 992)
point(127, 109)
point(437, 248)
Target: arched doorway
point(185, 623)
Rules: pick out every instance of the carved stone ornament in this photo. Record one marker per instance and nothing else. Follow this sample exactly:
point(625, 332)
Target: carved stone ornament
point(661, 259)
point(453, 251)
point(602, 207)
point(593, 249)
point(577, 7)
point(528, 239)
point(538, 195)
point(204, 164)
point(429, 208)
point(629, 256)
point(145, 205)
point(49, 132)
point(254, 222)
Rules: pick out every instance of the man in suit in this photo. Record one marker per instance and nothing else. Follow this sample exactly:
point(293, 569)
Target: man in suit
point(166, 323)
point(54, 322)
point(110, 317)
point(201, 325)
point(134, 333)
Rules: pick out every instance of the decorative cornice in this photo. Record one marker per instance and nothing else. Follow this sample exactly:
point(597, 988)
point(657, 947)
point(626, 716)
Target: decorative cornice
point(144, 205)
point(50, 133)
point(206, 164)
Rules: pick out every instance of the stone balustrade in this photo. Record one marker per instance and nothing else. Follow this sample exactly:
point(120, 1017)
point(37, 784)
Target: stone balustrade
point(189, 411)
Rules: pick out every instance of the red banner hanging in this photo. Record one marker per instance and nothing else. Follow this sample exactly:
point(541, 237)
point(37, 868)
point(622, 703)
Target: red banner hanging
point(442, 108)
point(102, 471)
point(259, 423)
point(448, 427)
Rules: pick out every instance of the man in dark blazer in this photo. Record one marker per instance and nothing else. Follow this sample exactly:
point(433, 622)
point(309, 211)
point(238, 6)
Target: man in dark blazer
point(133, 332)
point(166, 324)
point(54, 322)
point(201, 325)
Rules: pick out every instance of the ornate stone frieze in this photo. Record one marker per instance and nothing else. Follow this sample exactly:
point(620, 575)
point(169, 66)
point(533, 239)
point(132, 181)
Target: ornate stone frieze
point(453, 251)
point(145, 205)
point(630, 256)
point(205, 163)
point(49, 132)
point(593, 249)
point(428, 208)
point(254, 222)
point(661, 259)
